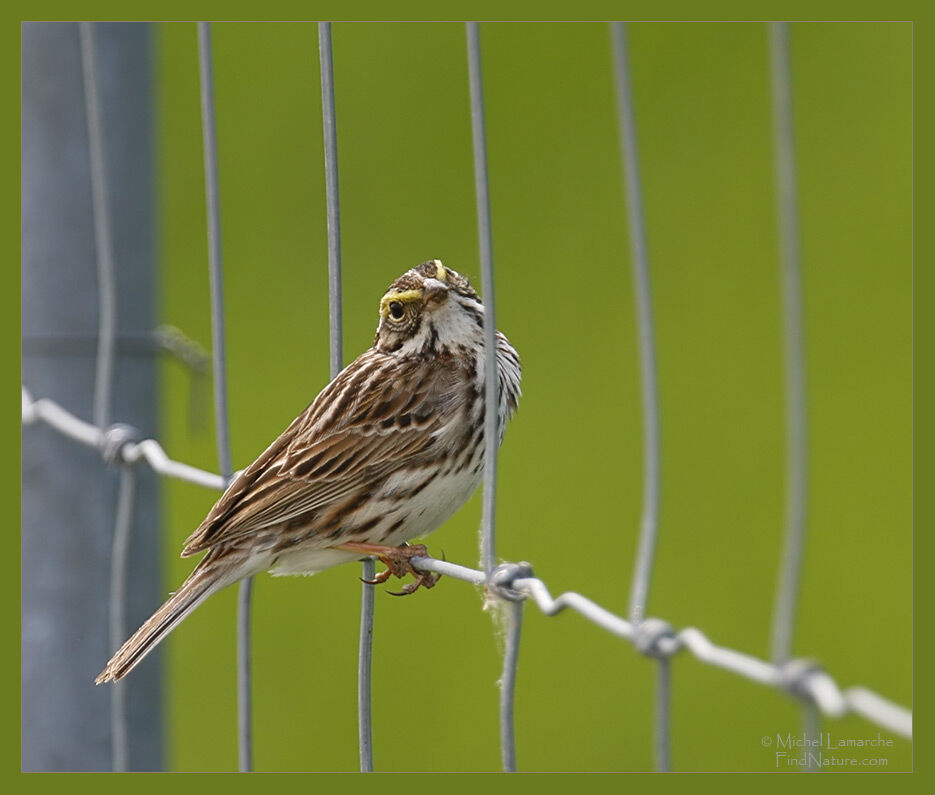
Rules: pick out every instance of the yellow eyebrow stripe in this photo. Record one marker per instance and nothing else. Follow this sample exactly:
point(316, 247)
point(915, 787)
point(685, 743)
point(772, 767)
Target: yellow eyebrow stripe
point(440, 273)
point(398, 295)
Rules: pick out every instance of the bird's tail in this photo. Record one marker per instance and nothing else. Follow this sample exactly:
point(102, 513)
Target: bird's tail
point(207, 578)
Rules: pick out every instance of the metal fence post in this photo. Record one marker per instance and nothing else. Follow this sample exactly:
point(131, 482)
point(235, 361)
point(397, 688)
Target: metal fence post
point(69, 496)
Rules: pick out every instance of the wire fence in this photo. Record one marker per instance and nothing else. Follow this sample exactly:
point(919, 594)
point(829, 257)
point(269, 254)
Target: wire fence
point(803, 678)
point(510, 584)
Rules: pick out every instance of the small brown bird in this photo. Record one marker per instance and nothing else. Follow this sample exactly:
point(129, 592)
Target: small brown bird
point(387, 452)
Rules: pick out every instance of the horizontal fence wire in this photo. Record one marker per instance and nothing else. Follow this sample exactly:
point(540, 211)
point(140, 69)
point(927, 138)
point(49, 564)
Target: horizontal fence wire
point(801, 678)
point(115, 441)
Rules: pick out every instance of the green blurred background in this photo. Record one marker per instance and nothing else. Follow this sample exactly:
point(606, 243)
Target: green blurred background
point(570, 476)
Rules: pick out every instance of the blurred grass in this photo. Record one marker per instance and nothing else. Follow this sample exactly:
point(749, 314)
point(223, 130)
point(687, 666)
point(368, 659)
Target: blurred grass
point(570, 466)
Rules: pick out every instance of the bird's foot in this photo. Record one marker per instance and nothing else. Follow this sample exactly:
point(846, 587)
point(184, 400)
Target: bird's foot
point(398, 562)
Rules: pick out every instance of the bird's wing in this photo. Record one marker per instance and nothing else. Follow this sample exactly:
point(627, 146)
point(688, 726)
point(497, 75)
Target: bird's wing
point(371, 420)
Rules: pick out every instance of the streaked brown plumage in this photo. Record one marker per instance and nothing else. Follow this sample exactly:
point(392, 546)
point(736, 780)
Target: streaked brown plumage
point(386, 453)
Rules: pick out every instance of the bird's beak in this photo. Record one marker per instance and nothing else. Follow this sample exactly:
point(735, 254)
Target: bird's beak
point(434, 292)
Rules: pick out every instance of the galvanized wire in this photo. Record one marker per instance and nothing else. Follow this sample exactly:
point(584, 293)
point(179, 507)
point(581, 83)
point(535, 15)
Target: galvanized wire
point(514, 627)
point(485, 240)
point(244, 681)
point(103, 241)
point(149, 450)
point(332, 195)
point(811, 729)
point(119, 563)
point(488, 553)
point(649, 521)
point(663, 710)
point(787, 590)
point(364, 668)
point(212, 196)
point(655, 637)
point(331, 188)
point(103, 380)
point(215, 260)
point(802, 677)
point(650, 515)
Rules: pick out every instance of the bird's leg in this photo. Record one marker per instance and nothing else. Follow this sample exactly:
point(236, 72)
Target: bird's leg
point(398, 562)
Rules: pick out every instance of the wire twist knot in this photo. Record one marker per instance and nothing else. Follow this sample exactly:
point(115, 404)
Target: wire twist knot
point(650, 636)
point(795, 676)
point(503, 577)
point(115, 439)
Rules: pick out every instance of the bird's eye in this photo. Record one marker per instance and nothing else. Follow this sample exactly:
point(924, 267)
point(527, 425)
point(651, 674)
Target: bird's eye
point(396, 310)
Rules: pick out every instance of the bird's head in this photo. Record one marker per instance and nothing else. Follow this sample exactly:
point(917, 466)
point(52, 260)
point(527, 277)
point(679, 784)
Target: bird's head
point(429, 309)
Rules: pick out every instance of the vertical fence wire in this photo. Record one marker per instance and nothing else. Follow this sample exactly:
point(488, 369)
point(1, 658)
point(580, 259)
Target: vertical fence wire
point(330, 135)
point(491, 394)
point(793, 338)
point(328, 120)
point(244, 676)
point(794, 532)
point(661, 744)
point(514, 617)
point(103, 383)
point(364, 666)
point(209, 135)
point(481, 186)
point(650, 399)
point(107, 293)
point(329, 124)
point(811, 728)
point(118, 613)
point(649, 520)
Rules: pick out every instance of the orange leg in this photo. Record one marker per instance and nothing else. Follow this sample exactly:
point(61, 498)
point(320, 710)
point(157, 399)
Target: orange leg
point(398, 562)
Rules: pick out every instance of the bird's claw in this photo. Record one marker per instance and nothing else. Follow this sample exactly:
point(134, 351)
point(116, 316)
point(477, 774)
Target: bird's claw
point(423, 579)
point(382, 577)
point(398, 562)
